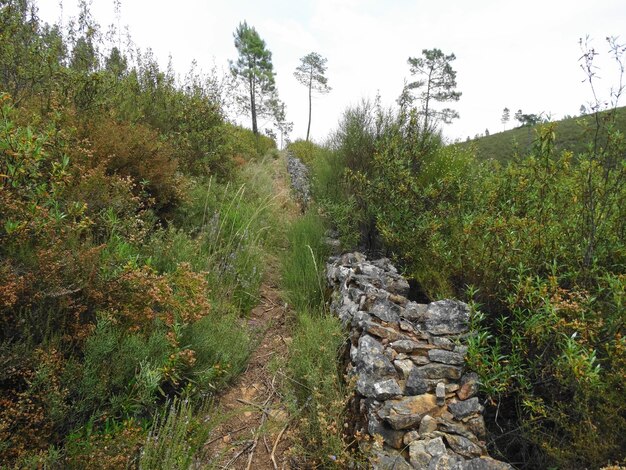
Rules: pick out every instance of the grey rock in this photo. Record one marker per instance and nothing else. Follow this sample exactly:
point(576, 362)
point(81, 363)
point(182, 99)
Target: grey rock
point(447, 461)
point(420, 360)
point(446, 357)
point(395, 284)
point(299, 174)
point(371, 364)
point(386, 389)
point(360, 318)
point(428, 425)
point(410, 437)
point(440, 393)
point(469, 386)
point(458, 429)
point(421, 378)
point(408, 346)
point(486, 463)
point(421, 452)
point(415, 312)
point(381, 331)
point(390, 436)
point(385, 265)
point(465, 408)
point(447, 317)
point(386, 310)
point(442, 342)
point(404, 366)
point(463, 446)
point(461, 349)
point(476, 426)
point(386, 461)
point(402, 413)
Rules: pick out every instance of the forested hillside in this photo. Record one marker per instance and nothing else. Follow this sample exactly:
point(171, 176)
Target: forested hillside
point(573, 134)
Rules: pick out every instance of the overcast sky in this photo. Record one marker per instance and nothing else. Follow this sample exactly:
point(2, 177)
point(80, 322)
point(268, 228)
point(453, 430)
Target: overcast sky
point(522, 55)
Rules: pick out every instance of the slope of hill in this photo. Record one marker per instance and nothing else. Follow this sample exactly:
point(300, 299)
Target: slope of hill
point(571, 134)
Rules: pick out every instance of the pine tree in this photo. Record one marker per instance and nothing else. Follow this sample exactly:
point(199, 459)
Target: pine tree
point(310, 73)
point(255, 72)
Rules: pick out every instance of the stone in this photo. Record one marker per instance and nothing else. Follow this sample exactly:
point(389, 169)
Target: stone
point(447, 461)
point(469, 386)
point(440, 393)
point(442, 342)
point(368, 269)
point(415, 312)
point(461, 349)
point(420, 360)
point(447, 317)
point(422, 452)
point(395, 284)
point(402, 413)
point(386, 461)
point(377, 329)
point(428, 425)
point(458, 429)
point(476, 426)
point(390, 436)
point(410, 437)
point(463, 446)
point(465, 408)
point(423, 378)
point(446, 357)
point(385, 310)
point(398, 299)
point(451, 388)
point(408, 346)
point(385, 265)
point(486, 463)
point(404, 366)
point(386, 389)
point(360, 317)
point(371, 365)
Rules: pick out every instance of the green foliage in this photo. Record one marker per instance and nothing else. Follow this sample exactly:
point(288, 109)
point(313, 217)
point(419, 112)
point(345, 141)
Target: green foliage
point(572, 134)
point(303, 150)
point(437, 81)
point(175, 438)
point(315, 386)
point(303, 268)
point(255, 71)
point(132, 236)
point(542, 238)
point(310, 73)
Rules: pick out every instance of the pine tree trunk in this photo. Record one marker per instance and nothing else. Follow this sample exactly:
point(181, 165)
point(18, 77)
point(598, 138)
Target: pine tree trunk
point(253, 107)
point(308, 129)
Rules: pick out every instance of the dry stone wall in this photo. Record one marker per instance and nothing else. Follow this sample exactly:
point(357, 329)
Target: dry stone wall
point(299, 175)
point(413, 394)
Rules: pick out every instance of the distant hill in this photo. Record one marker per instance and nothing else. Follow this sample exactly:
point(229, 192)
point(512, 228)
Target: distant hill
point(571, 134)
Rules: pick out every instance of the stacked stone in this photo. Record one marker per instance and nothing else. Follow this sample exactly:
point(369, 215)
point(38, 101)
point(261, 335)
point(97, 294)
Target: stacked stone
point(299, 174)
point(407, 360)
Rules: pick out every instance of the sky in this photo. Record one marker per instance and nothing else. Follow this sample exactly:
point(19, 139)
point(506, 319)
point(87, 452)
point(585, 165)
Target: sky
point(520, 55)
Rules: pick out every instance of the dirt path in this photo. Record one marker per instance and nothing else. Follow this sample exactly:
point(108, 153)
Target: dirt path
point(255, 432)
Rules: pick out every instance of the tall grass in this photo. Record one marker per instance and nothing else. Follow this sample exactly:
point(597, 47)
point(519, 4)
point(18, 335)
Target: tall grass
point(315, 387)
point(175, 438)
point(304, 264)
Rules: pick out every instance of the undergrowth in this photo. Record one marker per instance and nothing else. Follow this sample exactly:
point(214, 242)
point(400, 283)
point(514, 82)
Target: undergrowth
point(315, 386)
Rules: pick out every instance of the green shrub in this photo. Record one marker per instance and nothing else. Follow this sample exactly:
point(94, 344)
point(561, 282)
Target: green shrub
point(303, 150)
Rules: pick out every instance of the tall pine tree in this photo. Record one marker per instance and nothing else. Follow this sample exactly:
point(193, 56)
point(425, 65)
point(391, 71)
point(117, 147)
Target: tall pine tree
point(255, 72)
